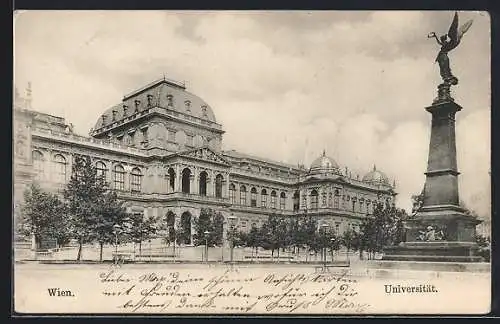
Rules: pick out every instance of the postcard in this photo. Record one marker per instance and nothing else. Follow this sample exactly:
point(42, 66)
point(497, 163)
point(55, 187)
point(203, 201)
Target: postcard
point(251, 162)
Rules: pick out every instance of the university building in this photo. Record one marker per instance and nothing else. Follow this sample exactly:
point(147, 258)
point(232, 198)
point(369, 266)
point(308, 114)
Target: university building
point(160, 149)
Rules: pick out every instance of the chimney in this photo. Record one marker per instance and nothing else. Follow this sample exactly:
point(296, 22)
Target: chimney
point(125, 108)
point(137, 102)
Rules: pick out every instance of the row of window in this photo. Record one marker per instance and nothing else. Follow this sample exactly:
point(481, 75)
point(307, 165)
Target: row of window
point(253, 197)
point(119, 176)
point(59, 174)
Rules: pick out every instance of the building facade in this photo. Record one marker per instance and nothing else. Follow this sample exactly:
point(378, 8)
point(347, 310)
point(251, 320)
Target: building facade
point(160, 149)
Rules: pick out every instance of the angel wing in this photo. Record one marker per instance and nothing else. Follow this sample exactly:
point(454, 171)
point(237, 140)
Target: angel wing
point(463, 29)
point(454, 33)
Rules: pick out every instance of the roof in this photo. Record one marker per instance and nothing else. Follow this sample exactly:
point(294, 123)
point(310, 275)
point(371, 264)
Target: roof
point(164, 93)
point(239, 155)
point(376, 176)
point(324, 165)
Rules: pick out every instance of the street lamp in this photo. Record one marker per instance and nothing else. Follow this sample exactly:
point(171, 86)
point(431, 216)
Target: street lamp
point(324, 227)
point(232, 221)
point(332, 243)
point(206, 245)
point(116, 228)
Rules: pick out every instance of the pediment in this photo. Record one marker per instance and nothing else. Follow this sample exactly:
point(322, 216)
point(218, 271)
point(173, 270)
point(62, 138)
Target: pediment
point(205, 154)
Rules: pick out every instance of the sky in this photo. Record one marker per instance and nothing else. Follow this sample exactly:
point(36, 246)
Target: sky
point(285, 85)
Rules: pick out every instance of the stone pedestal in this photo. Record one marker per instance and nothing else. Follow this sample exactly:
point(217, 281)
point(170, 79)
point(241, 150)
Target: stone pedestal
point(440, 230)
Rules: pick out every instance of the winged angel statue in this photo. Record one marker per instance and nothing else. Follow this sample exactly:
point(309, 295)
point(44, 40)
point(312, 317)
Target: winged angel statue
point(449, 42)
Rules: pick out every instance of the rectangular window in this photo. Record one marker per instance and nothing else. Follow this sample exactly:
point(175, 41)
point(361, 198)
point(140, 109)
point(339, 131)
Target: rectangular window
point(189, 140)
point(232, 196)
point(253, 199)
point(264, 201)
point(314, 202)
point(243, 198)
point(171, 135)
point(282, 203)
point(119, 180)
point(135, 182)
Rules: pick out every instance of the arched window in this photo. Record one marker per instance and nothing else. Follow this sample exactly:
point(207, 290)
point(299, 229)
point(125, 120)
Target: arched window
point(243, 195)
point(273, 199)
point(119, 177)
point(203, 183)
point(330, 199)
point(218, 185)
point(282, 200)
point(101, 170)
point(136, 180)
point(59, 169)
point(296, 201)
point(232, 193)
point(38, 164)
point(171, 180)
point(323, 199)
point(186, 180)
point(263, 197)
point(253, 197)
point(314, 199)
point(336, 199)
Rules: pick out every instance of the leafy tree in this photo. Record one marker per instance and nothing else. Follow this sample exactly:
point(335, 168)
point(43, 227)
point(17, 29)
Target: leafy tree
point(211, 221)
point(93, 209)
point(141, 228)
point(484, 244)
point(43, 216)
point(384, 228)
point(110, 217)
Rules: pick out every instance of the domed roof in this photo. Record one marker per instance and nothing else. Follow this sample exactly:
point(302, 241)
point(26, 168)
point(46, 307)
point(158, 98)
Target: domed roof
point(376, 176)
point(164, 93)
point(324, 164)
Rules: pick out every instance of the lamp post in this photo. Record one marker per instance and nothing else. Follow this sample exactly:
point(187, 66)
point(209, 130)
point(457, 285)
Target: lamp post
point(206, 245)
point(332, 243)
point(116, 227)
point(324, 227)
point(232, 221)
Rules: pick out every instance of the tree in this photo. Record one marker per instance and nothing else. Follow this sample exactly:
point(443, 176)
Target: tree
point(384, 228)
point(484, 244)
point(348, 239)
point(211, 221)
point(93, 209)
point(141, 228)
point(43, 216)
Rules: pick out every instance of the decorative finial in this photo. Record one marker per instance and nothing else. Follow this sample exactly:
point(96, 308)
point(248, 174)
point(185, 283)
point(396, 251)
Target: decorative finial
point(394, 183)
point(374, 167)
point(324, 152)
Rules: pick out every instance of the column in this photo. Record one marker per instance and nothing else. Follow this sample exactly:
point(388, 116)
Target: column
point(178, 178)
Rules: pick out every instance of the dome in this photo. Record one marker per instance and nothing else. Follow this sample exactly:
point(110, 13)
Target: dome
point(324, 164)
point(376, 176)
point(164, 93)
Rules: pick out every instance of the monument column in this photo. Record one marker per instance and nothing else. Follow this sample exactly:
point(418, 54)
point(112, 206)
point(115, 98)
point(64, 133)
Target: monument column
point(441, 230)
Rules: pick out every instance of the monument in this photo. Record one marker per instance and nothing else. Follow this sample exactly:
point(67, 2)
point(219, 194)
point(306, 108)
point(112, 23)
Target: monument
point(441, 230)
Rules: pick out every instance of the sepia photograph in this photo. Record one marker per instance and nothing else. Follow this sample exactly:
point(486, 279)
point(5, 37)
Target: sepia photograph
point(251, 162)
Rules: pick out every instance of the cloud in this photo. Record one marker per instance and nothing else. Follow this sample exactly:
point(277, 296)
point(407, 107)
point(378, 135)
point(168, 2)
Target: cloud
point(285, 85)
